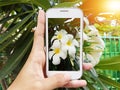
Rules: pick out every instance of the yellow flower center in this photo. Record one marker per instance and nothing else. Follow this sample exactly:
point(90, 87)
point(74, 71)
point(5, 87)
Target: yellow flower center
point(69, 42)
point(57, 50)
point(59, 36)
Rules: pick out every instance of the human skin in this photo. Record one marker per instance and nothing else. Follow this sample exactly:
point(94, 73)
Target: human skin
point(33, 77)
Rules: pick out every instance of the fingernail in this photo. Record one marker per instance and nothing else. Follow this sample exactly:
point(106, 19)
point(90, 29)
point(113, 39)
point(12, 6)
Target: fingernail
point(33, 29)
point(41, 10)
point(84, 83)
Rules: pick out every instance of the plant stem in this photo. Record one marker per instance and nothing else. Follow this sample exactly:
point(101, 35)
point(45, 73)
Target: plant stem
point(95, 76)
point(4, 84)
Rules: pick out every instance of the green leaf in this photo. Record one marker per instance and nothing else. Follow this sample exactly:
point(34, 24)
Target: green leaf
point(16, 57)
point(45, 4)
point(5, 36)
point(67, 4)
point(68, 0)
point(9, 41)
point(109, 81)
point(3, 20)
point(91, 87)
point(10, 2)
point(112, 63)
point(7, 19)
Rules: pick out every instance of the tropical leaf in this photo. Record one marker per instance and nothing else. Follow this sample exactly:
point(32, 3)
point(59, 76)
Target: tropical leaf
point(72, 0)
point(11, 2)
point(7, 19)
point(67, 1)
point(90, 86)
point(10, 40)
point(67, 4)
point(45, 4)
point(5, 36)
point(112, 63)
point(16, 57)
point(109, 81)
point(3, 20)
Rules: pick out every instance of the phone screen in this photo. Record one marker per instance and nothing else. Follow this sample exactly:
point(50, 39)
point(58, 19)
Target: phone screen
point(64, 44)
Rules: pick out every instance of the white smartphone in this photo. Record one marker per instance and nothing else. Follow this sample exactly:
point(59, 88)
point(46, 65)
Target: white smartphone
point(64, 27)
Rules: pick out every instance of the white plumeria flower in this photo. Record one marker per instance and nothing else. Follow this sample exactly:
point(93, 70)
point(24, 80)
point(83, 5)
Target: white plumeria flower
point(69, 44)
point(97, 47)
point(95, 37)
point(97, 44)
point(96, 55)
point(59, 35)
point(98, 41)
point(57, 53)
point(91, 59)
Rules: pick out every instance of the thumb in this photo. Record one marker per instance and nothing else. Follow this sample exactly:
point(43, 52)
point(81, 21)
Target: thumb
point(39, 32)
point(56, 81)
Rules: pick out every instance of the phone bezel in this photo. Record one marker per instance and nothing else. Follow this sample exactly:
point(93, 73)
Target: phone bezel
point(65, 13)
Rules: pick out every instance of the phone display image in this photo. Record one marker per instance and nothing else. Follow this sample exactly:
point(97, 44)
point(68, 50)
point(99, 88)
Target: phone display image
point(64, 44)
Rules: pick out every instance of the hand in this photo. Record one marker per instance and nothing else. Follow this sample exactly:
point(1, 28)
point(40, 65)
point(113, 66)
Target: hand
point(32, 75)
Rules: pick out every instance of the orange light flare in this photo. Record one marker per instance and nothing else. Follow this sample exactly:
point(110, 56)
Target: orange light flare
point(113, 5)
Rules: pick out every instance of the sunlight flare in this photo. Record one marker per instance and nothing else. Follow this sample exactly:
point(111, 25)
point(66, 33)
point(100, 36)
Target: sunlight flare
point(113, 5)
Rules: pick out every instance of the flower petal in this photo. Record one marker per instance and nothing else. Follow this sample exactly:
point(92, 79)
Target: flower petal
point(63, 31)
point(72, 51)
point(64, 39)
point(75, 42)
point(96, 56)
point(56, 60)
point(99, 41)
point(64, 48)
point(63, 54)
point(51, 53)
point(70, 36)
point(56, 44)
point(56, 32)
point(53, 38)
point(91, 59)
